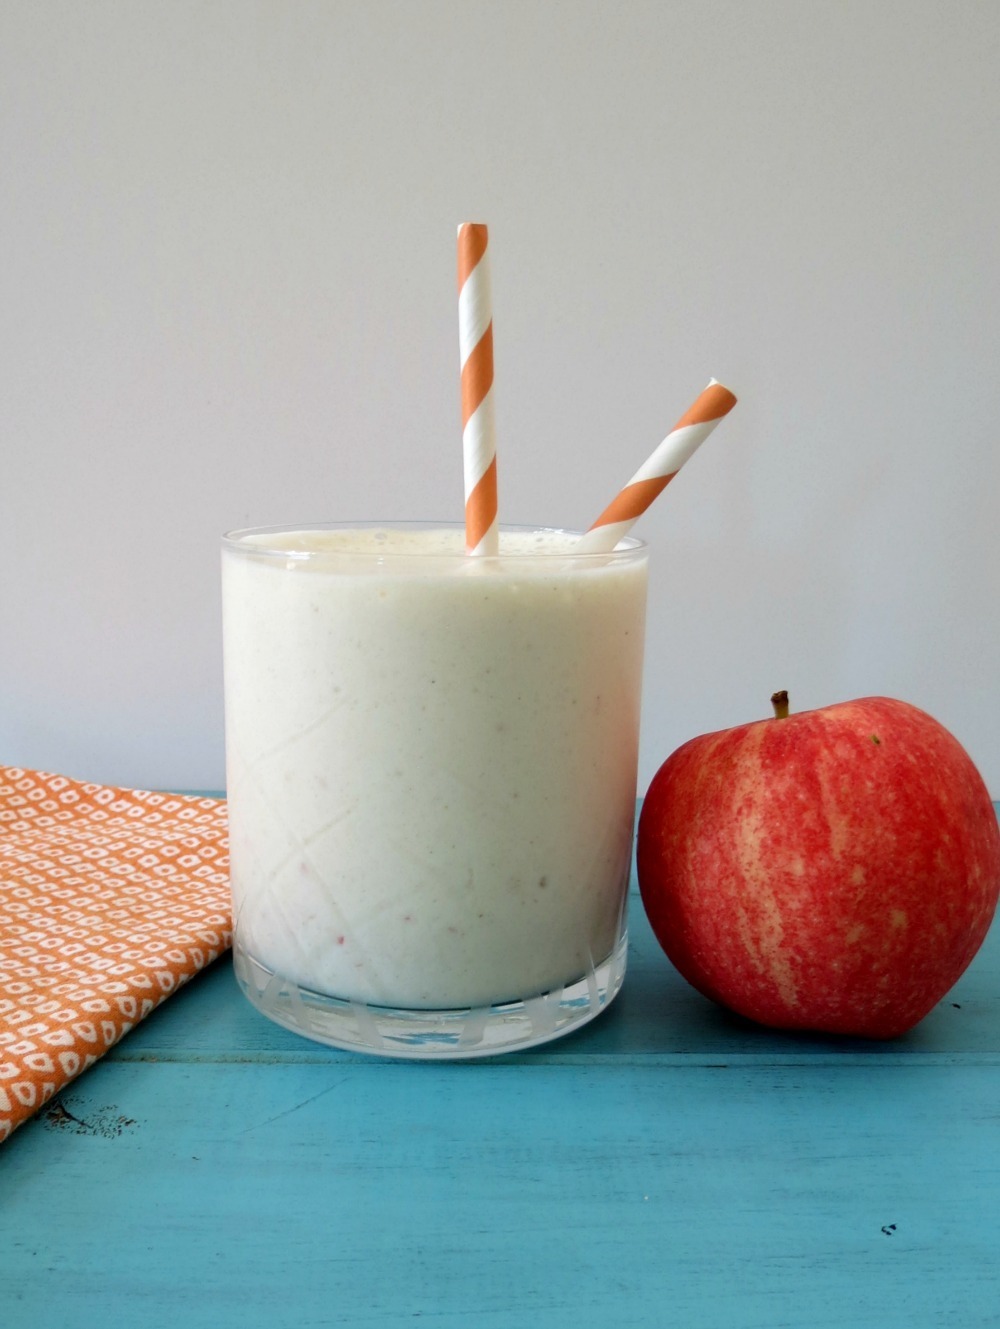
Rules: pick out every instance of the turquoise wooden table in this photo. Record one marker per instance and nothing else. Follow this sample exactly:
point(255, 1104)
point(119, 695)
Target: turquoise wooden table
point(667, 1165)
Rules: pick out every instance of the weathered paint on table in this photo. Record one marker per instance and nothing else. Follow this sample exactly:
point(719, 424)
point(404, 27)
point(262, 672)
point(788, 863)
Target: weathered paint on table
point(668, 1165)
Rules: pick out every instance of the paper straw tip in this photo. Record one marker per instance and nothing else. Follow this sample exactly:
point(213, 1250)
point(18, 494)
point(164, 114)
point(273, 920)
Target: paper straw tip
point(730, 395)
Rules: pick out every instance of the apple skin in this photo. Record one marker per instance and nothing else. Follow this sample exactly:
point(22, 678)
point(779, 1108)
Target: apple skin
point(835, 870)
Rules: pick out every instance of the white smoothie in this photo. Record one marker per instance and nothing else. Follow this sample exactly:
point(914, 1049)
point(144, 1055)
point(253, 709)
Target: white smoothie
point(431, 759)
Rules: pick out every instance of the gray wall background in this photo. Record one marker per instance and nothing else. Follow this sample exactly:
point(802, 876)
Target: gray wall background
point(228, 298)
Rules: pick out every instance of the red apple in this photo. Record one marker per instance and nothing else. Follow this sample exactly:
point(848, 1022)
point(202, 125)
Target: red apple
point(833, 870)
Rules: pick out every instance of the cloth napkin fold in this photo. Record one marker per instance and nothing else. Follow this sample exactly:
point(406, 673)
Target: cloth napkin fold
point(110, 899)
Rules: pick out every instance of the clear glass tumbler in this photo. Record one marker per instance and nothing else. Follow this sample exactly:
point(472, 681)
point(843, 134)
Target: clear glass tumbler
point(431, 770)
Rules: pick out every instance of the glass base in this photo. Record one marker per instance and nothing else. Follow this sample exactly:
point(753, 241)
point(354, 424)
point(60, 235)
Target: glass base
point(431, 1035)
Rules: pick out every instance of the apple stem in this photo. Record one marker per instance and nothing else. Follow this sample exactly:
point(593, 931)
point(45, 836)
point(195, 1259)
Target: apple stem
point(779, 700)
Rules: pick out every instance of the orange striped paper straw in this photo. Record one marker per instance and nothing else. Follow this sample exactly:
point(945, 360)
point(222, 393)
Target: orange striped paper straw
point(657, 471)
point(475, 335)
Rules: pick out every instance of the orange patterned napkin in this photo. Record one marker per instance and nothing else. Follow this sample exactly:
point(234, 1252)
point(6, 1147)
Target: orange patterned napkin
point(110, 899)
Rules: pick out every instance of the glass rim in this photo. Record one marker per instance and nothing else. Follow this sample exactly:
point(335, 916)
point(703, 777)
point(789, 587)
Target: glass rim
point(236, 541)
